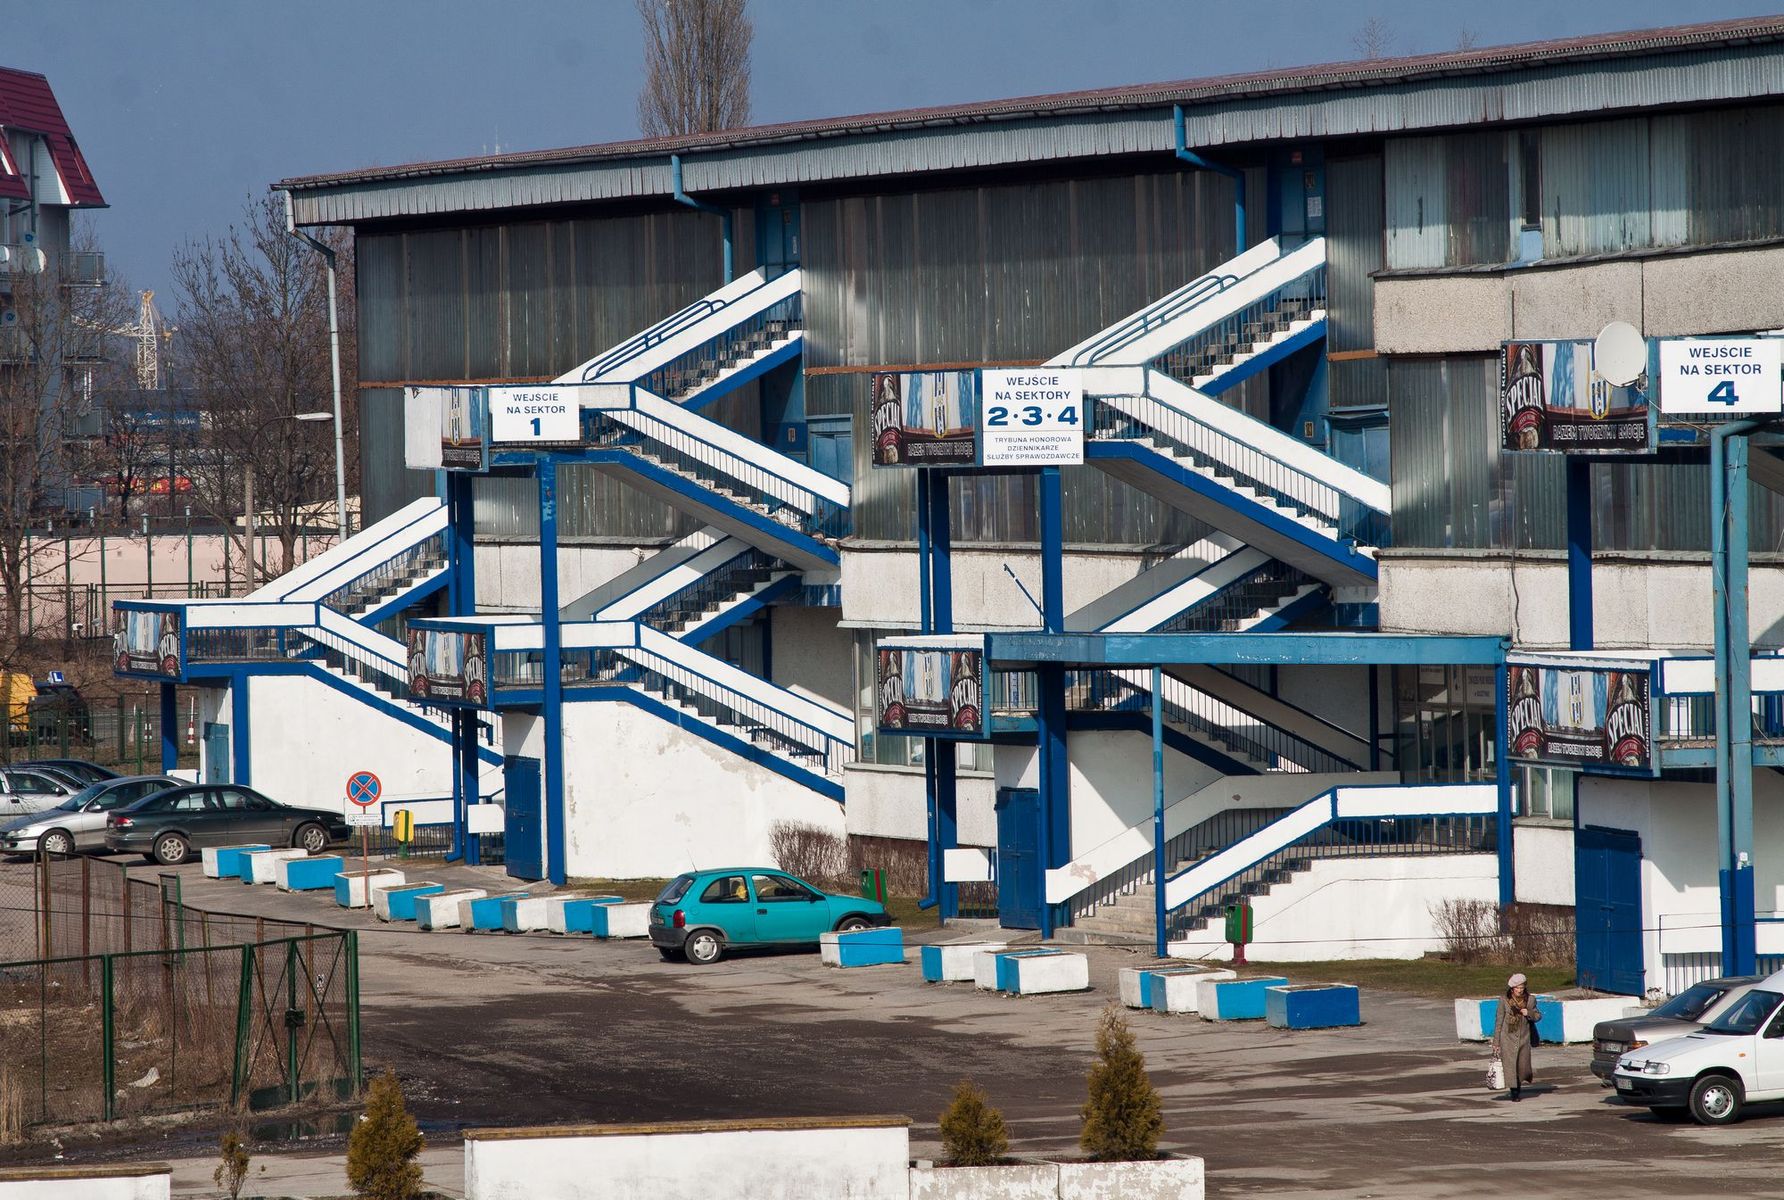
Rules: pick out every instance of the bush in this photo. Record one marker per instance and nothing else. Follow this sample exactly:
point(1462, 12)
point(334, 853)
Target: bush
point(232, 1170)
point(810, 852)
point(382, 1148)
point(1541, 935)
point(1124, 1115)
point(1469, 929)
point(973, 1133)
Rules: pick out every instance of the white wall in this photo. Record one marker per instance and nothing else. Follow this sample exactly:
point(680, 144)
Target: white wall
point(1355, 908)
point(888, 802)
point(1654, 601)
point(1112, 784)
point(508, 572)
point(645, 798)
point(1542, 863)
point(812, 653)
point(879, 585)
point(122, 1181)
point(861, 1159)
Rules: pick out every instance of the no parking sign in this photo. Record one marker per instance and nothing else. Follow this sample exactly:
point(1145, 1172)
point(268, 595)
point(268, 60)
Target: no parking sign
point(363, 789)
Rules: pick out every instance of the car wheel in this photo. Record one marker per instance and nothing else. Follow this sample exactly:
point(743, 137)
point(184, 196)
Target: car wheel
point(57, 841)
point(851, 924)
point(704, 947)
point(313, 838)
point(171, 849)
point(1716, 1100)
point(671, 954)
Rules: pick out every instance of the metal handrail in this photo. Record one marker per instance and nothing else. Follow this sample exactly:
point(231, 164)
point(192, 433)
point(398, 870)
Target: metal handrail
point(1241, 600)
point(1217, 832)
point(1161, 312)
point(665, 329)
point(689, 371)
point(1207, 352)
point(737, 576)
point(350, 596)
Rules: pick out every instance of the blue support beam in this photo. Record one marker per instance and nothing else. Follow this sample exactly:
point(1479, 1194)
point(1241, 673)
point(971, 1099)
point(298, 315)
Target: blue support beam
point(1579, 552)
point(170, 729)
point(1508, 891)
point(552, 710)
point(1052, 552)
point(1055, 784)
point(1225, 649)
point(238, 728)
point(1160, 867)
point(1734, 694)
point(941, 610)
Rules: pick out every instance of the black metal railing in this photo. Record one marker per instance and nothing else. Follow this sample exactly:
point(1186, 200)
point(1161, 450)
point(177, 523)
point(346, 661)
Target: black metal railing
point(1240, 603)
point(1242, 331)
point(390, 576)
point(740, 576)
point(689, 372)
point(1207, 837)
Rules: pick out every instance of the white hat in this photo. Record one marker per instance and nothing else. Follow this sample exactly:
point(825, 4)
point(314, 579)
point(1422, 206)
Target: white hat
point(1517, 980)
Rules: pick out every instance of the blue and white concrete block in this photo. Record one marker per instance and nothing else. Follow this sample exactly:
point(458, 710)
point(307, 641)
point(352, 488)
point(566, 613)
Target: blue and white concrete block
point(307, 874)
point(862, 947)
point(354, 889)
point(1140, 987)
point(224, 862)
point(953, 962)
point(574, 914)
point(619, 920)
point(1034, 973)
point(523, 914)
point(1562, 1021)
point(1234, 999)
point(1174, 991)
point(485, 912)
point(398, 903)
point(441, 910)
point(1312, 1006)
point(985, 966)
point(257, 866)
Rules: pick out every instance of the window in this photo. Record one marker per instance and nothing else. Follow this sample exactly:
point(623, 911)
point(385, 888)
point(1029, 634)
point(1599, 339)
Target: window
point(1546, 792)
point(778, 888)
point(1530, 177)
point(230, 799)
point(192, 802)
point(678, 887)
point(727, 889)
point(30, 783)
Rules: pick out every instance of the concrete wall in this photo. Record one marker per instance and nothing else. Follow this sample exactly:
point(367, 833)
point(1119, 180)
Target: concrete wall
point(1677, 825)
point(889, 802)
point(119, 1181)
point(1356, 908)
point(879, 585)
point(1663, 295)
point(508, 572)
point(843, 1159)
point(1659, 600)
point(645, 798)
point(1542, 862)
point(812, 653)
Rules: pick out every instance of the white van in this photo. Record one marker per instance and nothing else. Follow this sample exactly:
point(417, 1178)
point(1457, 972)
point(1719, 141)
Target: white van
point(1715, 1072)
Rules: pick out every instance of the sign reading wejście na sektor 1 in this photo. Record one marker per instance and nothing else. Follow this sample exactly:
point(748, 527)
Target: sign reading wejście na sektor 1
point(534, 414)
point(1721, 376)
point(1031, 418)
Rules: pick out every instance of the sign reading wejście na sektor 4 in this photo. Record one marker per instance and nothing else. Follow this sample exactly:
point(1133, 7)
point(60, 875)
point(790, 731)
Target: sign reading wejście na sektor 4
point(1031, 418)
point(1721, 376)
point(534, 414)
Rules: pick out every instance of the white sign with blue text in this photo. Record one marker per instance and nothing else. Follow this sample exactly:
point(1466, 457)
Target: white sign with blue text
point(1031, 418)
point(1718, 377)
point(534, 414)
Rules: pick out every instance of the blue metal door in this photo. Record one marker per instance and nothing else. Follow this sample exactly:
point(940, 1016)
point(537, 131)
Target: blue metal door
point(216, 753)
point(1607, 874)
point(1019, 892)
point(521, 842)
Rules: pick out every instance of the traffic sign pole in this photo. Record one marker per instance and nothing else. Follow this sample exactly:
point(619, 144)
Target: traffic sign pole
point(363, 789)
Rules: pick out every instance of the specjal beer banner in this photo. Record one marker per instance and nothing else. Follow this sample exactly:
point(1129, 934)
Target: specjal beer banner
point(448, 666)
point(1550, 398)
point(1594, 718)
point(931, 692)
point(147, 642)
point(926, 419)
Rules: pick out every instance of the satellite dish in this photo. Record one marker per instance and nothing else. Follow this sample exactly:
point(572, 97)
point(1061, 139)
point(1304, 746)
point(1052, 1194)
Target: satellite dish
point(1620, 354)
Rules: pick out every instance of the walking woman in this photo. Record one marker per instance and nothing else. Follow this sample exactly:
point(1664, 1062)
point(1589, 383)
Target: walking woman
point(1514, 1032)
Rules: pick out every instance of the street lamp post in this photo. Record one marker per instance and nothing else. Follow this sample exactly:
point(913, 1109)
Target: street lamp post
point(248, 484)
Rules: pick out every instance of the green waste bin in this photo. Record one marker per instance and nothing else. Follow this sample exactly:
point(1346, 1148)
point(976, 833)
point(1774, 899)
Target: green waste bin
point(1238, 929)
point(873, 884)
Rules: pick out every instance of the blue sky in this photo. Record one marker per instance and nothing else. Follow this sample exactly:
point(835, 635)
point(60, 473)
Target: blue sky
point(186, 107)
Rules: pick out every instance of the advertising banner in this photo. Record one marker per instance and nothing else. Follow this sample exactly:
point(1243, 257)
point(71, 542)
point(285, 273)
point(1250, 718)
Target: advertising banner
point(926, 419)
point(448, 665)
point(147, 642)
point(931, 693)
point(1031, 418)
point(464, 429)
point(1588, 717)
point(1550, 398)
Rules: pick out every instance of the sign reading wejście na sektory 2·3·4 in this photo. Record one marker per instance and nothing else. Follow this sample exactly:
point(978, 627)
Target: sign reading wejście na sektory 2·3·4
point(1721, 376)
point(534, 414)
point(1031, 418)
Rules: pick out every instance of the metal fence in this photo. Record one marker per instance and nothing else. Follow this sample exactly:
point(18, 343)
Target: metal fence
point(140, 1005)
point(122, 732)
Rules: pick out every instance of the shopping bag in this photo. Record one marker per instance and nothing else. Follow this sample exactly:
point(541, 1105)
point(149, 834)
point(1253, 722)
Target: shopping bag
point(1495, 1074)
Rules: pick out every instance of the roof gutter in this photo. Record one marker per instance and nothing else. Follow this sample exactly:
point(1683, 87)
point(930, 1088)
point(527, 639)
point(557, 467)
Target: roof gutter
point(1195, 160)
point(724, 214)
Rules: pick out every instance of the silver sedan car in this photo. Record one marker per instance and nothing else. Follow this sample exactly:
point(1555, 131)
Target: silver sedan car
point(78, 823)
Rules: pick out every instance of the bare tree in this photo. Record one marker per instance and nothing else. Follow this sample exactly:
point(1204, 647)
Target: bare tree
point(1374, 40)
point(252, 352)
point(696, 66)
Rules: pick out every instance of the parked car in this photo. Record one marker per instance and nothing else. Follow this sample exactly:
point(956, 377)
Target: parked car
point(1691, 1009)
point(702, 914)
point(78, 823)
point(1714, 1073)
point(86, 772)
point(166, 826)
point(59, 710)
point(28, 790)
point(72, 779)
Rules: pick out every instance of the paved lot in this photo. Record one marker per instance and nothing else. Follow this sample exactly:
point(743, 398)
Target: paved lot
point(493, 1030)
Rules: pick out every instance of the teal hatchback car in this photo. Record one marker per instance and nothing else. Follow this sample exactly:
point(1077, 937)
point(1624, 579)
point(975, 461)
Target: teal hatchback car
point(702, 914)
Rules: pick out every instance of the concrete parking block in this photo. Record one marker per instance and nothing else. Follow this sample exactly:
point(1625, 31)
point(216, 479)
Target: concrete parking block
point(1475, 1019)
point(619, 920)
point(257, 866)
point(398, 903)
point(441, 909)
point(1234, 999)
point(953, 963)
point(310, 874)
point(985, 966)
point(1176, 991)
point(1029, 973)
point(1139, 985)
point(484, 912)
point(354, 889)
point(524, 914)
point(574, 914)
point(862, 948)
point(1312, 1006)
point(224, 862)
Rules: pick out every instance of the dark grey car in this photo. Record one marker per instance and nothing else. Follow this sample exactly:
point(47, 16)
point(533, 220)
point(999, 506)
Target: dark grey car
point(1686, 1012)
point(166, 826)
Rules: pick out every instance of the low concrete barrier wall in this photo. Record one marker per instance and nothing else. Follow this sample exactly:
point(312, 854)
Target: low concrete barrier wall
point(1179, 992)
point(861, 1158)
point(575, 914)
point(441, 910)
point(1234, 999)
point(398, 903)
point(862, 948)
point(307, 874)
point(620, 920)
point(953, 963)
point(225, 862)
point(260, 866)
point(1563, 1021)
point(112, 1181)
point(1312, 1006)
point(354, 889)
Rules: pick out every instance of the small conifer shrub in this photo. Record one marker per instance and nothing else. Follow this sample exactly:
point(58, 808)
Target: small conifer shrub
point(1124, 1116)
point(973, 1132)
point(382, 1148)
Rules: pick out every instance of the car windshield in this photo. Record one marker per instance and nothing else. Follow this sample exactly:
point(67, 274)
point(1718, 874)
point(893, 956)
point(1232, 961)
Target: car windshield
point(678, 887)
point(79, 800)
point(1747, 1015)
point(1691, 1003)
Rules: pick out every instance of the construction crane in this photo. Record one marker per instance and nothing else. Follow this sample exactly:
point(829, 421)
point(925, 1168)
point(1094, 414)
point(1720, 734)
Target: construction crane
point(151, 334)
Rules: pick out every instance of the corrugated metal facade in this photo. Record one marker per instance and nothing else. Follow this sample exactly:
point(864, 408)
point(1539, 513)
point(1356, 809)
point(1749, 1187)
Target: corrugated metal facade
point(999, 274)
